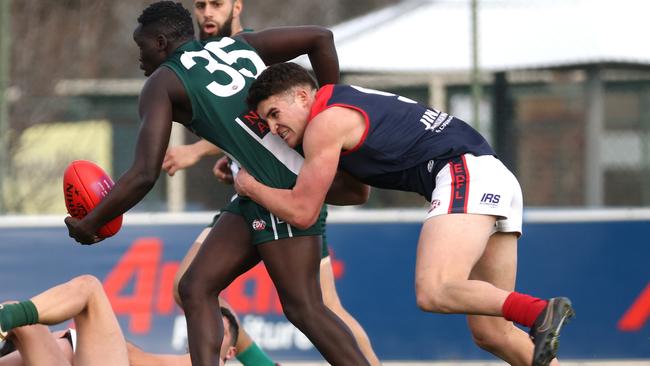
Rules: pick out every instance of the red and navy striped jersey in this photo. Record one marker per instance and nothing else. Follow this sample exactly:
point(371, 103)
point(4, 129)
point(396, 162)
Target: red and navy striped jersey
point(404, 143)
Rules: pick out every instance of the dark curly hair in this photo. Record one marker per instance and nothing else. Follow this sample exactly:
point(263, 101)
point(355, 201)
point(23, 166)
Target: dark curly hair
point(234, 325)
point(277, 79)
point(168, 18)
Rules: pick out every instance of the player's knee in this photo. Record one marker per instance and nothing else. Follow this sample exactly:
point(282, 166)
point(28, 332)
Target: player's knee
point(87, 284)
point(293, 314)
point(190, 290)
point(177, 297)
point(431, 299)
point(294, 311)
point(298, 312)
point(175, 291)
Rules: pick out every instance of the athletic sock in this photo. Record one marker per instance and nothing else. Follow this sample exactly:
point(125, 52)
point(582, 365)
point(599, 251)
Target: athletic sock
point(254, 356)
point(17, 315)
point(522, 309)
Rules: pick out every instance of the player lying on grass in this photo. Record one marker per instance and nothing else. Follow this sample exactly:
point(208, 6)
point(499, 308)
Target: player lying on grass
point(98, 339)
point(467, 251)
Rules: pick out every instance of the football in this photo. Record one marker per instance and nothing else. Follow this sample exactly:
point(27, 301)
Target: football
point(85, 184)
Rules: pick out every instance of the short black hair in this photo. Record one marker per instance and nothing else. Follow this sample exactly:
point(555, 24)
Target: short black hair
point(234, 325)
point(169, 18)
point(277, 79)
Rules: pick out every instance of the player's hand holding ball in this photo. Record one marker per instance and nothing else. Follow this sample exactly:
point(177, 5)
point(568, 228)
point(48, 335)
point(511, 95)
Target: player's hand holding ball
point(79, 233)
point(84, 185)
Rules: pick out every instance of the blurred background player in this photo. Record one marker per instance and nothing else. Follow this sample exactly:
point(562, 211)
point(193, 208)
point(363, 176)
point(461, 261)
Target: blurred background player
point(97, 338)
point(208, 97)
point(221, 18)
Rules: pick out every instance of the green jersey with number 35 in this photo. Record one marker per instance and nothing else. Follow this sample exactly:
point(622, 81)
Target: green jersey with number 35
point(216, 75)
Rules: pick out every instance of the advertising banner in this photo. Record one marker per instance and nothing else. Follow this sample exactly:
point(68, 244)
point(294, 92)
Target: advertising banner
point(602, 266)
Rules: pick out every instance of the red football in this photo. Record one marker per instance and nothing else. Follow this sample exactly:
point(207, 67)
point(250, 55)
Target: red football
point(85, 184)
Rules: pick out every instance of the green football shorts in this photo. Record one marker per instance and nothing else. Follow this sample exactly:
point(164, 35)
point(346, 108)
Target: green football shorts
point(265, 226)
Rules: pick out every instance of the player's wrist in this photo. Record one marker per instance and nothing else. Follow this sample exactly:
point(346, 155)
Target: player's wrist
point(192, 154)
point(243, 185)
point(89, 225)
point(204, 148)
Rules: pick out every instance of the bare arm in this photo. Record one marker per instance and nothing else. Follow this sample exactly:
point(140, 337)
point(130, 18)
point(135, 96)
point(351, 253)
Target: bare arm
point(155, 110)
point(282, 44)
point(300, 206)
point(185, 156)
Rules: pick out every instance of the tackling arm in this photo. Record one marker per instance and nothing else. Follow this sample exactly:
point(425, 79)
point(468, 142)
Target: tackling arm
point(300, 206)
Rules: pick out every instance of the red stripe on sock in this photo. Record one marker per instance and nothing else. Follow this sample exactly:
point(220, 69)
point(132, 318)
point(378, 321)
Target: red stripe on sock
point(522, 309)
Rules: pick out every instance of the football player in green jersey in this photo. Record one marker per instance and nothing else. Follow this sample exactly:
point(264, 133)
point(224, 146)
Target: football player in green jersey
point(222, 18)
point(200, 86)
point(214, 18)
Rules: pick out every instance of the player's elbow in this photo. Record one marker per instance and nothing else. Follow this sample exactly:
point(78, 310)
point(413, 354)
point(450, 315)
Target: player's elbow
point(305, 219)
point(322, 38)
point(147, 180)
point(302, 223)
point(326, 34)
point(361, 195)
point(141, 180)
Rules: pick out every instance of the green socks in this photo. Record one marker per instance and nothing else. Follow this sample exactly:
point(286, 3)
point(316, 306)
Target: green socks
point(16, 315)
point(254, 356)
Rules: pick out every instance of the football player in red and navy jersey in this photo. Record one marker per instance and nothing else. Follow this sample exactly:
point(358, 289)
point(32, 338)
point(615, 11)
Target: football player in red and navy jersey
point(467, 251)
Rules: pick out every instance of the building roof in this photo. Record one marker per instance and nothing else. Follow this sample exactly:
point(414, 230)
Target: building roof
point(435, 35)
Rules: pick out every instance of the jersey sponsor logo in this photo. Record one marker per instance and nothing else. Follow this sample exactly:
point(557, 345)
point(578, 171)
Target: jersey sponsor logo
point(255, 123)
point(259, 224)
point(434, 120)
point(490, 199)
point(289, 157)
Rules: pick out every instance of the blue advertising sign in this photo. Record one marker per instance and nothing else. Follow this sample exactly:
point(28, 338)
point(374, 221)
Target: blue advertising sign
point(601, 265)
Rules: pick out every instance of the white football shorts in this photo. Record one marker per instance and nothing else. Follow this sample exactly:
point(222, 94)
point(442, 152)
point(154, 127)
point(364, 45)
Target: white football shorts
point(479, 185)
